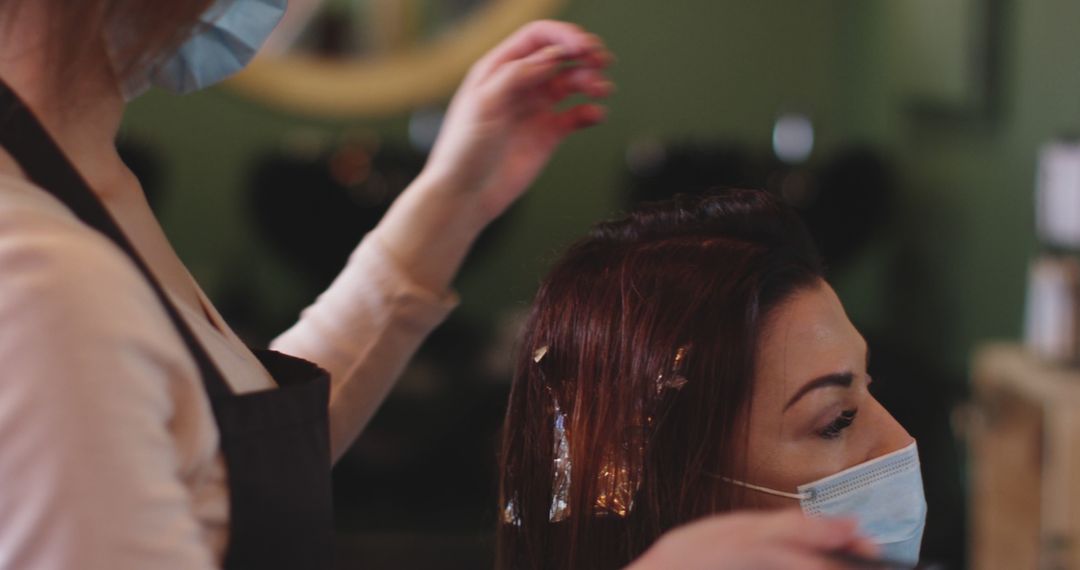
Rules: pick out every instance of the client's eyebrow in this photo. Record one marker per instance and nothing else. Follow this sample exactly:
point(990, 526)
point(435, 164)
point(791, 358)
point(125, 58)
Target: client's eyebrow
point(842, 379)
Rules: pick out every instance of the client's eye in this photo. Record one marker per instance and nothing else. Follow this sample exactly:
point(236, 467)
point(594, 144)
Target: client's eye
point(832, 431)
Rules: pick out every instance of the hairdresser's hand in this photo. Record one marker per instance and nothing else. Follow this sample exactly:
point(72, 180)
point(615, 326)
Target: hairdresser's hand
point(504, 123)
point(500, 131)
point(755, 541)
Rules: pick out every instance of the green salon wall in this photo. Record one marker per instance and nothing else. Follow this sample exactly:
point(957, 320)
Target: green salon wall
point(952, 272)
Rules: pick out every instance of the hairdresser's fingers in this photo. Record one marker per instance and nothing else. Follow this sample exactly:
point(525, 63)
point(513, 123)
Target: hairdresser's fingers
point(540, 79)
point(830, 535)
point(584, 80)
point(788, 559)
point(599, 57)
point(862, 547)
point(577, 118)
point(814, 534)
point(576, 43)
point(743, 541)
point(513, 81)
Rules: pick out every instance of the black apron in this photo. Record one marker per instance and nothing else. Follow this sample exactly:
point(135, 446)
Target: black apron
point(275, 442)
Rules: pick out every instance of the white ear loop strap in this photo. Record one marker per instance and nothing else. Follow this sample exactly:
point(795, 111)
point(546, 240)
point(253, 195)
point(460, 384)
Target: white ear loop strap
point(768, 491)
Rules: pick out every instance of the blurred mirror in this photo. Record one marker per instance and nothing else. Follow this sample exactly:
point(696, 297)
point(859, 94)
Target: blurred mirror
point(380, 57)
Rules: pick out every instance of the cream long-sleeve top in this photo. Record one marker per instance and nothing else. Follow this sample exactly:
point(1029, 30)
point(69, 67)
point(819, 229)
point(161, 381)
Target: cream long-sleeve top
point(109, 454)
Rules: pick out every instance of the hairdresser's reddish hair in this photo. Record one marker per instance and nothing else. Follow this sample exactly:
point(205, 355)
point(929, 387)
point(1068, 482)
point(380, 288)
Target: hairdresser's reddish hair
point(151, 29)
point(702, 272)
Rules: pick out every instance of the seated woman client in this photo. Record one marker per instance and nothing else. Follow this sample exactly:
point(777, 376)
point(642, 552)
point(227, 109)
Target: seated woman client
point(686, 360)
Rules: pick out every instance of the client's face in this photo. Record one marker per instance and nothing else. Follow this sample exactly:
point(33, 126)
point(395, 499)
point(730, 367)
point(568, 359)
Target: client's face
point(812, 413)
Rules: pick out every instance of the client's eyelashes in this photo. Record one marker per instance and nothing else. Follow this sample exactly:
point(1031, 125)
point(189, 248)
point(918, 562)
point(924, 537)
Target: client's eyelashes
point(842, 422)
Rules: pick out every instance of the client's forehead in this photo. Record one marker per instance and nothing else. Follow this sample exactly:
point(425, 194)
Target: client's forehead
point(808, 336)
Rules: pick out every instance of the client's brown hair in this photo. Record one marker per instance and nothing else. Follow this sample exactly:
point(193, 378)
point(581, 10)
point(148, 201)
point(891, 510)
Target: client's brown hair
point(641, 345)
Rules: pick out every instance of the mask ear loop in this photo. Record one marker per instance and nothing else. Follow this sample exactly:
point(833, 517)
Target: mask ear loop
point(768, 491)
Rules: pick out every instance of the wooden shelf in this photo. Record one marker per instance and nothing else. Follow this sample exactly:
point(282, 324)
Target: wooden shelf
point(1024, 439)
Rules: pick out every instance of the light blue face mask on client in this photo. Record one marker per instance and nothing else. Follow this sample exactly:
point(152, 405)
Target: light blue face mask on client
point(224, 41)
point(885, 495)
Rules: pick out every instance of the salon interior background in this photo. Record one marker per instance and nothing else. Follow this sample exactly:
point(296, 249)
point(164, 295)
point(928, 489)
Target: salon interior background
point(944, 271)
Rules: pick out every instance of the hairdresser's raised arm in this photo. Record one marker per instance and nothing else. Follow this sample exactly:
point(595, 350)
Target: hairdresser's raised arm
point(783, 540)
point(500, 131)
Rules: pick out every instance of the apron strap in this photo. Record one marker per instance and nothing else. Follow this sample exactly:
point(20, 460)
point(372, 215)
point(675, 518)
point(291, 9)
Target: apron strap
point(23, 136)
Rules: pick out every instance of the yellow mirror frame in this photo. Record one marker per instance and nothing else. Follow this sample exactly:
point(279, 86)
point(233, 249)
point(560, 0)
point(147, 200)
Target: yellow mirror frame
point(389, 85)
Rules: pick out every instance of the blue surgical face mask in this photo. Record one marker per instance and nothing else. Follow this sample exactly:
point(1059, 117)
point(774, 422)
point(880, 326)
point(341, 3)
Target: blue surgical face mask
point(885, 495)
point(225, 40)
